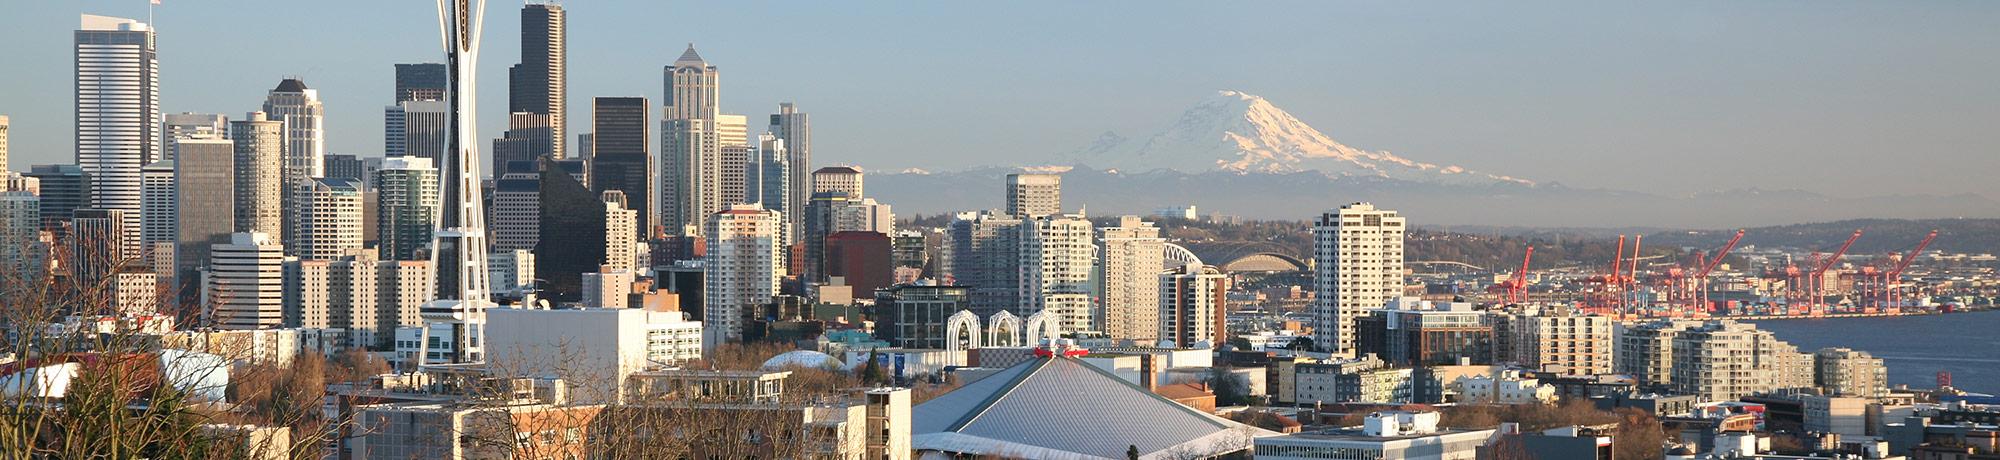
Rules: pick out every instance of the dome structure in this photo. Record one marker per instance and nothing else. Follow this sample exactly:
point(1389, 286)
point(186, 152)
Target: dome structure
point(800, 358)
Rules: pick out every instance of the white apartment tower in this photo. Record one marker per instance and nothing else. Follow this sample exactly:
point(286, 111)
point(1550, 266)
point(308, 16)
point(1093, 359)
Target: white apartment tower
point(1130, 258)
point(1358, 266)
point(741, 270)
point(620, 224)
point(117, 113)
point(1056, 264)
point(245, 283)
point(260, 147)
point(846, 179)
point(406, 207)
point(4, 123)
point(329, 219)
point(1725, 360)
point(1034, 195)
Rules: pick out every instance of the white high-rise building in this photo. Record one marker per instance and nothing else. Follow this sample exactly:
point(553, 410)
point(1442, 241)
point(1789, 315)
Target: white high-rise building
point(513, 271)
point(328, 219)
point(1191, 304)
point(190, 125)
point(1725, 360)
point(159, 211)
point(741, 269)
point(406, 207)
point(982, 251)
point(117, 113)
point(1034, 195)
point(846, 179)
point(305, 131)
point(1555, 339)
point(4, 126)
point(260, 189)
point(1130, 258)
point(620, 224)
point(1057, 257)
point(21, 253)
point(1358, 266)
point(246, 283)
point(517, 211)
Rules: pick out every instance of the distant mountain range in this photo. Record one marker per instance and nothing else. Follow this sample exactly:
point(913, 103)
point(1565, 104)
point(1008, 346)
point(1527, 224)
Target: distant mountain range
point(1239, 154)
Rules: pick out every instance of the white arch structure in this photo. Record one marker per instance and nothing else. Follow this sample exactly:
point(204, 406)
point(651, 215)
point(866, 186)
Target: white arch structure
point(1042, 326)
point(962, 322)
point(1012, 325)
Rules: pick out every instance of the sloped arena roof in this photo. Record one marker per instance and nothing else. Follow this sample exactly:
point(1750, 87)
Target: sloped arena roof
point(1062, 408)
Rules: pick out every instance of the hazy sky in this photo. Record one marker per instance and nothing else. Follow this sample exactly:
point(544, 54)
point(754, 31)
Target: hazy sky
point(1672, 98)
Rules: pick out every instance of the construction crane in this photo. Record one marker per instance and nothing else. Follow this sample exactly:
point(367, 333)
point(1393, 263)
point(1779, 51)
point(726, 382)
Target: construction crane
point(1889, 294)
point(1517, 283)
point(1633, 280)
point(1701, 277)
point(1816, 281)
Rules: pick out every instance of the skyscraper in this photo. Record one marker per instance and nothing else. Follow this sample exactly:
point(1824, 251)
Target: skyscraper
point(1034, 195)
point(982, 251)
point(691, 173)
point(190, 125)
point(415, 128)
point(1130, 258)
point(620, 246)
point(537, 86)
point(96, 246)
point(246, 283)
point(621, 144)
point(693, 88)
point(21, 253)
point(459, 247)
point(795, 129)
point(259, 174)
point(741, 270)
point(568, 209)
point(517, 207)
point(774, 182)
point(329, 219)
point(421, 82)
point(157, 211)
point(1056, 259)
point(845, 179)
point(1191, 304)
point(117, 112)
point(4, 123)
point(204, 180)
point(1357, 266)
point(65, 188)
point(305, 128)
point(406, 205)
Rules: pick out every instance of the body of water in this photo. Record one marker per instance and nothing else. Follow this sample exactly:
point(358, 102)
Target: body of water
point(1915, 348)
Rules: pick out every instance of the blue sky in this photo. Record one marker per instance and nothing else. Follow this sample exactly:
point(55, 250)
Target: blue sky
point(1674, 98)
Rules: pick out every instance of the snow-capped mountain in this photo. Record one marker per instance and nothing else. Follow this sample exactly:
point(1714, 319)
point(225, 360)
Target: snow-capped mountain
point(1239, 132)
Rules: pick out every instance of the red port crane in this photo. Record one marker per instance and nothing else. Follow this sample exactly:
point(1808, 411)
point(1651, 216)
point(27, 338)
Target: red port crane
point(1817, 282)
point(1890, 295)
point(1516, 284)
point(1695, 304)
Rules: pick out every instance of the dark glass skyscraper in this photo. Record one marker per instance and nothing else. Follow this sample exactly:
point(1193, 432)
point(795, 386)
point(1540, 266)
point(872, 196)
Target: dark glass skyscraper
point(420, 82)
point(538, 84)
point(573, 217)
point(621, 158)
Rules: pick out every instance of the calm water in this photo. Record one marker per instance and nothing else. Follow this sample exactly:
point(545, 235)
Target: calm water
point(1914, 347)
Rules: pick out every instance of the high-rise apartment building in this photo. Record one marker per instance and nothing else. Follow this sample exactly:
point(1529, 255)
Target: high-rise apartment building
point(421, 82)
point(1725, 360)
point(693, 88)
point(1358, 266)
point(794, 128)
point(538, 85)
point(741, 270)
point(189, 125)
point(21, 254)
point(1645, 351)
point(4, 127)
point(1034, 195)
point(845, 179)
point(118, 119)
point(204, 195)
point(982, 252)
point(620, 247)
point(329, 219)
point(1056, 262)
point(621, 146)
point(406, 207)
point(1561, 340)
point(157, 209)
point(1130, 258)
point(1191, 311)
point(245, 283)
point(1847, 372)
point(260, 146)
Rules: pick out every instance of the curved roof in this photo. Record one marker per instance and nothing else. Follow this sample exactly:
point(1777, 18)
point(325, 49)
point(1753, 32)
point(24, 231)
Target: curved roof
point(1179, 256)
point(1264, 262)
point(800, 358)
point(1054, 408)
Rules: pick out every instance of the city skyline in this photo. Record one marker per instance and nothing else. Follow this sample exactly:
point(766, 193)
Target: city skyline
point(1821, 102)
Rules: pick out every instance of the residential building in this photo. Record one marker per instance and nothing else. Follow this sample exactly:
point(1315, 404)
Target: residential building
point(246, 281)
point(982, 252)
point(260, 186)
point(1846, 372)
point(329, 219)
point(406, 207)
point(621, 249)
point(1131, 302)
point(607, 288)
point(1057, 257)
point(1357, 266)
point(1645, 351)
point(22, 257)
point(1412, 332)
point(118, 124)
point(1725, 360)
point(1555, 339)
point(741, 270)
point(1192, 307)
point(1034, 195)
point(844, 179)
